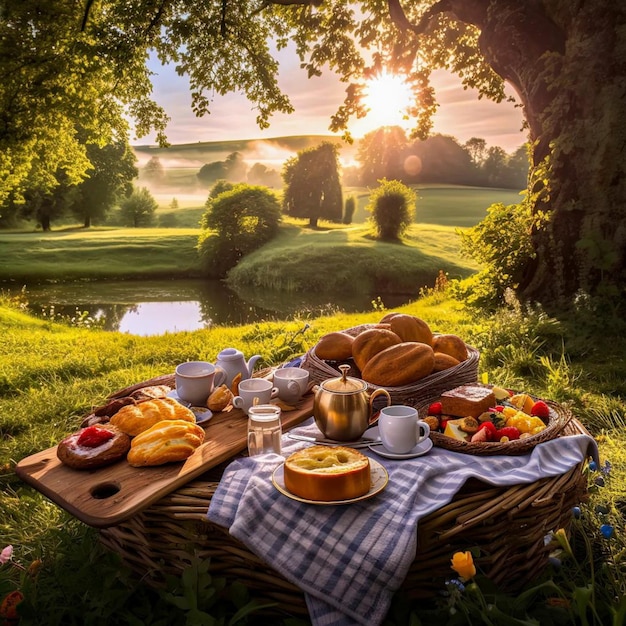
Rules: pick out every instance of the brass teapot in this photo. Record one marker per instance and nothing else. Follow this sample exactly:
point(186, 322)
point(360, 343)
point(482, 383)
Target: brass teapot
point(342, 408)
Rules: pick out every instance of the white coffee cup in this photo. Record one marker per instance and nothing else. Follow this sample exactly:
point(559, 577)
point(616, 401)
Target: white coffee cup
point(400, 429)
point(254, 391)
point(291, 382)
point(195, 380)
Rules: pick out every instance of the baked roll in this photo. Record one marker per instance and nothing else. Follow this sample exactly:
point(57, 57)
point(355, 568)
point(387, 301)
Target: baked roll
point(134, 419)
point(168, 441)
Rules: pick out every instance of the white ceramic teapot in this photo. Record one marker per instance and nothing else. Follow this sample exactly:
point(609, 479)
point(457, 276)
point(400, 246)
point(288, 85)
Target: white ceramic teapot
point(232, 362)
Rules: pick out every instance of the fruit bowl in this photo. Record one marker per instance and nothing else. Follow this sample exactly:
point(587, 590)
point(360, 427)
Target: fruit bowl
point(557, 419)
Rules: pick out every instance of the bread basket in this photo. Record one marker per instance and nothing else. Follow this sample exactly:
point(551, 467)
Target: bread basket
point(414, 394)
point(558, 419)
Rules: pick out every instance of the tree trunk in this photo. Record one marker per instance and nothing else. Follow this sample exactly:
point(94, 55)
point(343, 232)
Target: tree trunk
point(570, 81)
point(313, 221)
point(87, 222)
point(566, 64)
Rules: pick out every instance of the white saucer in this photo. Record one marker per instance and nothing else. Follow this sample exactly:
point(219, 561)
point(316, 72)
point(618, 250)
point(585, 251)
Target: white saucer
point(201, 412)
point(379, 475)
point(421, 448)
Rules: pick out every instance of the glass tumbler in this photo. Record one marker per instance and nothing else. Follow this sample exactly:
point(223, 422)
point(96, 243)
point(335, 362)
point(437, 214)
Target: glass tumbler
point(264, 429)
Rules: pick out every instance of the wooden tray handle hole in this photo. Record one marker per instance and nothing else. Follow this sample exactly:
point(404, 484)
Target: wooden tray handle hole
point(104, 490)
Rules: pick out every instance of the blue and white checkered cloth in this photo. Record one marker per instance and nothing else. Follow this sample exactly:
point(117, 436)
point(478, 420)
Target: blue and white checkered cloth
point(349, 560)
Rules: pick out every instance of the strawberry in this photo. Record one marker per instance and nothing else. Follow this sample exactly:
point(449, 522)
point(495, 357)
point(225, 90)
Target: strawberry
point(92, 437)
point(508, 431)
point(540, 409)
point(435, 408)
point(490, 430)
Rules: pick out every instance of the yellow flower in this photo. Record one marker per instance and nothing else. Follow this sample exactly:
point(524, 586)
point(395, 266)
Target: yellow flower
point(463, 565)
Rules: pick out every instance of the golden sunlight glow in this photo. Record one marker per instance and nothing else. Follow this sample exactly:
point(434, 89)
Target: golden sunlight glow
point(386, 98)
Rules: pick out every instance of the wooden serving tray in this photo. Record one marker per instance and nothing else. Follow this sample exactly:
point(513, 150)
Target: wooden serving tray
point(110, 495)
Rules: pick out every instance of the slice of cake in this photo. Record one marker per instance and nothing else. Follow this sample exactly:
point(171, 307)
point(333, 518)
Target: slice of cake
point(327, 474)
point(467, 400)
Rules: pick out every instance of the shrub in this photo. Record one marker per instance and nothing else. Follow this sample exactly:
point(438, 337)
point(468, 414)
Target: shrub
point(501, 244)
point(348, 212)
point(243, 219)
point(392, 206)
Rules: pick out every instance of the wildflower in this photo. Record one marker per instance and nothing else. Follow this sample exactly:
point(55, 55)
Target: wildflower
point(555, 562)
point(463, 565)
point(593, 466)
point(6, 554)
point(606, 469)
point(606, 530)
point(577, 512)
point(455, 582)
point(599, 481)
point(8, 607)
point(561, 536)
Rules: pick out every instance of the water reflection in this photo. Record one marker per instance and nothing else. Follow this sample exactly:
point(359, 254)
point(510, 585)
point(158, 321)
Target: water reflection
point(158, 306)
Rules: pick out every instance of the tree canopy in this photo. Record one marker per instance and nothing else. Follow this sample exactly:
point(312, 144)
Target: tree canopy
point(312, 187)
point(66, 65)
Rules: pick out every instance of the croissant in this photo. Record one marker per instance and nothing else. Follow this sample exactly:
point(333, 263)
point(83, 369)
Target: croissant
point(133, 419)
point(165, 442)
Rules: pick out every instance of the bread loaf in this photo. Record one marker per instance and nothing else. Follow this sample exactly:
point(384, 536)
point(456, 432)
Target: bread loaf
point(334, 347)
point(370, 342)
point(165, 442)
point(467, 400)
point(327, 474)
point(400, 365)
point(452, 345)
point(443, 362)
point(135, 418)
point(409, 328)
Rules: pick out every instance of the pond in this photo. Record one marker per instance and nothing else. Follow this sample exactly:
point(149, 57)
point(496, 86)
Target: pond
point(154, 307)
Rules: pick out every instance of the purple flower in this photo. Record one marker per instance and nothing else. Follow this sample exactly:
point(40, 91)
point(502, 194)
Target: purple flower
point(606, 469)
point(455, 582)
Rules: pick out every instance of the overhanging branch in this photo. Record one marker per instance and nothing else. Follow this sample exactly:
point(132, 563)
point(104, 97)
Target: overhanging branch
point(399, 18)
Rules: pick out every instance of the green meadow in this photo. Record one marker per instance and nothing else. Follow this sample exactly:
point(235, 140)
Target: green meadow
point(53, 373)
point(448, 205)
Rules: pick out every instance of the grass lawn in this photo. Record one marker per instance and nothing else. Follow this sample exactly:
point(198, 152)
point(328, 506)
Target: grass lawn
point(98, 253)
point(42, 399)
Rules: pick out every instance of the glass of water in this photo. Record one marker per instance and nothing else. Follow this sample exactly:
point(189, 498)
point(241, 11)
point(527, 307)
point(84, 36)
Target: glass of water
point(264, 429)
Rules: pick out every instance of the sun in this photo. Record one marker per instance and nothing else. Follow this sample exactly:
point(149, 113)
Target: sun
point(386, 99)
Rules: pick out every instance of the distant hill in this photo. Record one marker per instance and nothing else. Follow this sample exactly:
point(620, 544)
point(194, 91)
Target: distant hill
point(182, 162)
point(263, 150)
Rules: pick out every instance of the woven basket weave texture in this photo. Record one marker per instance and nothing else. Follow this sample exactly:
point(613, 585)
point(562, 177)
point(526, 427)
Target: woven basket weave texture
point(508, 524)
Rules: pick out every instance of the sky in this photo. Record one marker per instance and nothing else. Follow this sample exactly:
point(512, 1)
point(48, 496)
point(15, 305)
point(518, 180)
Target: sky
point(461, 114)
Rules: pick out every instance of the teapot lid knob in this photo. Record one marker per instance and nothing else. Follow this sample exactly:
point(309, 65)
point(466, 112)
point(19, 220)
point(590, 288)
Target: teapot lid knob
point(344, 372)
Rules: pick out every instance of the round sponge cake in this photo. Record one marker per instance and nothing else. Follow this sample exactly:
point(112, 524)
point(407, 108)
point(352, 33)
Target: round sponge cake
point(327, 474)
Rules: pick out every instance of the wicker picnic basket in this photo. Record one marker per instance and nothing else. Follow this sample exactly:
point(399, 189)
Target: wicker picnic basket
point(557, 421)
point(508, 524)
point(414, 394)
